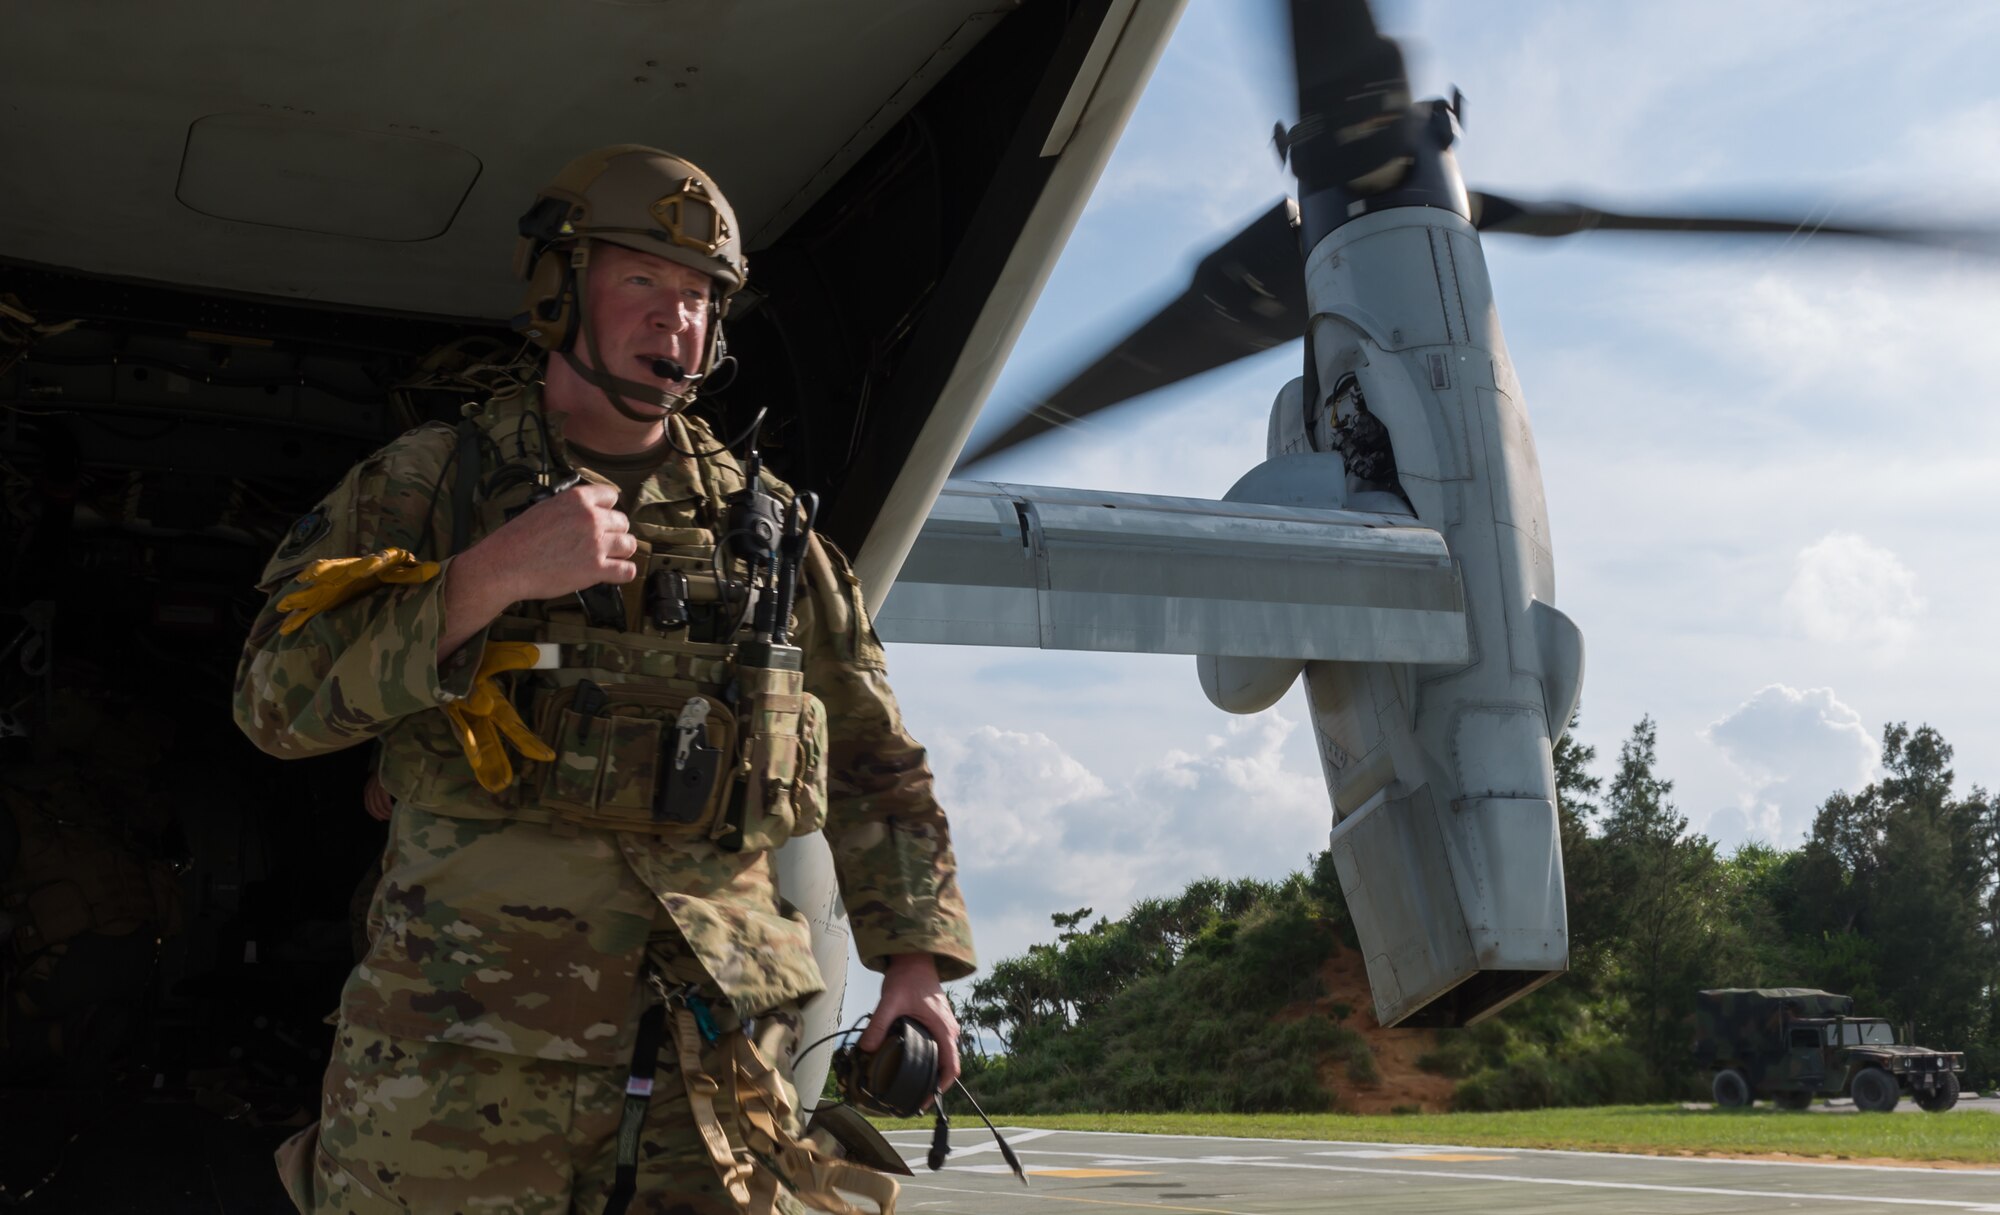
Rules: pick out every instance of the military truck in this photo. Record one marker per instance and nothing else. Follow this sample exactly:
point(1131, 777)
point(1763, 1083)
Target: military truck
point(1790, 1044)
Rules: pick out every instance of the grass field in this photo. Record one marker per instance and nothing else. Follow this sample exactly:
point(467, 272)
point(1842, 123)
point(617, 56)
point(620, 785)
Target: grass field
point(1969, 1136)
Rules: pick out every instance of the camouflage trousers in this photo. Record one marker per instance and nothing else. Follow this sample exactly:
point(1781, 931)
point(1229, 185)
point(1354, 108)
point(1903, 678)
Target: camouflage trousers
point(436, 1126)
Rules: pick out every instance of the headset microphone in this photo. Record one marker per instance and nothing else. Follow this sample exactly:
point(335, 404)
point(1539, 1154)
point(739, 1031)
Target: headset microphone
point(667, 369)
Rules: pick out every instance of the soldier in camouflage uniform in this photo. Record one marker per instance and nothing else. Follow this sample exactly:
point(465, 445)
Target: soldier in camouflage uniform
point(530, 911)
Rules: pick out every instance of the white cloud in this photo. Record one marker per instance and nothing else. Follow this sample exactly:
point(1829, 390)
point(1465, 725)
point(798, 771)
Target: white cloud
point(1036, 831)
point(1792, 748)
point(1966, 137)
point(1009, 791)
point(1843, 337)
point(1637, 99)
point(1846, 591)
point(1223, 102)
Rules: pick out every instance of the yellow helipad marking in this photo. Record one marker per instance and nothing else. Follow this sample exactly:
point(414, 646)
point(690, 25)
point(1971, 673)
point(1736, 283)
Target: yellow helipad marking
point(1104, 1172)
point(1448, 1157)
point(1112, 1202)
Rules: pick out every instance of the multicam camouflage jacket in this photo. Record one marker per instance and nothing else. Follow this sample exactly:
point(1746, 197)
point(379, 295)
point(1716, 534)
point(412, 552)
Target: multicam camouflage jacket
point(499, 923)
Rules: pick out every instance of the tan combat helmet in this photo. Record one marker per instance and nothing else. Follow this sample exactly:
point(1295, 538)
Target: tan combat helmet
point(631, 195)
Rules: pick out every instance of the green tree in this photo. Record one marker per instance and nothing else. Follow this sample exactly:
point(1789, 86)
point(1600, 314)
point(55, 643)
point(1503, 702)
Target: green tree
point(1754, 946)
point(1587, 878)
point(1670, 907)
point(1575, 784)
point(1902, 875)
point(1638, 808)
point(1066, 922)
point(1927, 898)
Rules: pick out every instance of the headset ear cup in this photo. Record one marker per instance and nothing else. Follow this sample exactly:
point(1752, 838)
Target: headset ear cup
point(897, 1078)
point(550, 319)
point(922, 1070)
point(882, 1068)
point(912, 1076)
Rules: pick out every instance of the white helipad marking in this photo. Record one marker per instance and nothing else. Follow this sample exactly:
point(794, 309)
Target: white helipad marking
point(1519, 1151)
point(987, 1145)
point(1101, 1168)
point(1456, 1156)
point(1804, 1196)
point(1075, 1198)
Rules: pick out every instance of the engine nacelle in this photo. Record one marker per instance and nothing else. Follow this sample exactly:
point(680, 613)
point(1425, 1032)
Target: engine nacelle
point(1445, 837)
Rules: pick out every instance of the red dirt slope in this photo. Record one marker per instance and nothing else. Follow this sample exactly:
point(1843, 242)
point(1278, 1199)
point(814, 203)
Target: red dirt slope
point(1399, 1083)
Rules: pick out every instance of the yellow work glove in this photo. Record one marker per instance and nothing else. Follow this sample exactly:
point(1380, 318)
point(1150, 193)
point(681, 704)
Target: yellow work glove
point(484, 715)
point(328, 584)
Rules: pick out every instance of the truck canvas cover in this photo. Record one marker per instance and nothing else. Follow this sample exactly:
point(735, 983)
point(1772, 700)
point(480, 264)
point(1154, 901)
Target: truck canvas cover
point(1734, 1022)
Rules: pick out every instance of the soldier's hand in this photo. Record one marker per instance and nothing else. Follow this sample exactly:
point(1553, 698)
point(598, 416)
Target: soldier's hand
point(910, 988)
point(574, 540)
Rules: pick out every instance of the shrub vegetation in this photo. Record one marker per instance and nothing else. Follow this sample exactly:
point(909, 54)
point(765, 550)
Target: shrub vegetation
point(1204, 1001)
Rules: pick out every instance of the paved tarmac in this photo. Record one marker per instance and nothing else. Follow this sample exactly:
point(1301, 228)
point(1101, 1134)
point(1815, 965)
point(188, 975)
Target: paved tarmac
point(1075, 1172)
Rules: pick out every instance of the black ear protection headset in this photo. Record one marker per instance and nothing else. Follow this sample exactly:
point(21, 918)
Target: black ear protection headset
point(895, 1079)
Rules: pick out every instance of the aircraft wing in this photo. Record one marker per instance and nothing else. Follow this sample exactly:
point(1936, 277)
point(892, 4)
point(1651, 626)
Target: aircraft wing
point(1067, 569)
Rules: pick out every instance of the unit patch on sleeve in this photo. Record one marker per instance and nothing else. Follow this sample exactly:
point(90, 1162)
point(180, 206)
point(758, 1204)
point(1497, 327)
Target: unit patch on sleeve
point(310, 527)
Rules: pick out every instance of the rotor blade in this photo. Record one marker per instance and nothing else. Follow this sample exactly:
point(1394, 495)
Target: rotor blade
point(1498, 213)
point(1342, 60)
point(1246, 296)
point(1356, 124)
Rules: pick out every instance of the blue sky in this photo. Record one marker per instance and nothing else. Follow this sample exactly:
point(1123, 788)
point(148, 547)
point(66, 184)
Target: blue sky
point(1772, 468)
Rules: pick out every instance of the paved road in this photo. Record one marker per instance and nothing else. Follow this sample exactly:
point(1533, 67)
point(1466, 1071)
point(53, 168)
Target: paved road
point(1077, 1172)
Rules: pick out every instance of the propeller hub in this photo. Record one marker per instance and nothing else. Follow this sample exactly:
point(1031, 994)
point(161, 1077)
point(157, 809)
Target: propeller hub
point(1403, 162)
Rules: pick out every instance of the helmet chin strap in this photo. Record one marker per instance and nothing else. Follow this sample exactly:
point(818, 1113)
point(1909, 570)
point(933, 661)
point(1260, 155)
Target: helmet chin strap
point(616, 390)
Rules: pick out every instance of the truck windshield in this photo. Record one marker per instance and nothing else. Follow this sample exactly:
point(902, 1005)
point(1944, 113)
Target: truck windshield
point(1861, 1033)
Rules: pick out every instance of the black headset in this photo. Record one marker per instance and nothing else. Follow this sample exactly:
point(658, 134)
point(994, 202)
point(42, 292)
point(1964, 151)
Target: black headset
point(896, 1078)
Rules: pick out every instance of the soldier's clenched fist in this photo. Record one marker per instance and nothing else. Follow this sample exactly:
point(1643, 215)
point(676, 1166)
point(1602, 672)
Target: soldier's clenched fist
point(576, 539)
point(562, 544)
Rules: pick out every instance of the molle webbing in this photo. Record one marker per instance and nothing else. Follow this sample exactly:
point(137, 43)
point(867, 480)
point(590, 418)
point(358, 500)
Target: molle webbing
point(582, 648)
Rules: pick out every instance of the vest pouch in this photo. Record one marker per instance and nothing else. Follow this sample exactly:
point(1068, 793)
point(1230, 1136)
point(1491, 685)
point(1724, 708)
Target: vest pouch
point(771, 697)
point(638, 758)
point(809, 795)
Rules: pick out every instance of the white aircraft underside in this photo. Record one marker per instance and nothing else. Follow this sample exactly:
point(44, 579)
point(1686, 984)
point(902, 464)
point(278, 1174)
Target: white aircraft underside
point(377, 152)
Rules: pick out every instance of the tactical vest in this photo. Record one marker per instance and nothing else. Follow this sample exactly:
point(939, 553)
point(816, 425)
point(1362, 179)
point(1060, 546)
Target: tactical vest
point(664, 720)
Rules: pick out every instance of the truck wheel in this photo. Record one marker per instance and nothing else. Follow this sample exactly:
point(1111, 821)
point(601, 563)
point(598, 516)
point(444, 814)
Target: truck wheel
point(1874, 1090)
point(1943, 1097)
point(1731, 1089)
point(1794, 1101)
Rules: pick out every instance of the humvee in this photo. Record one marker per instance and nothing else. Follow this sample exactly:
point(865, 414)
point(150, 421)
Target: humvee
point(1792, 1043)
